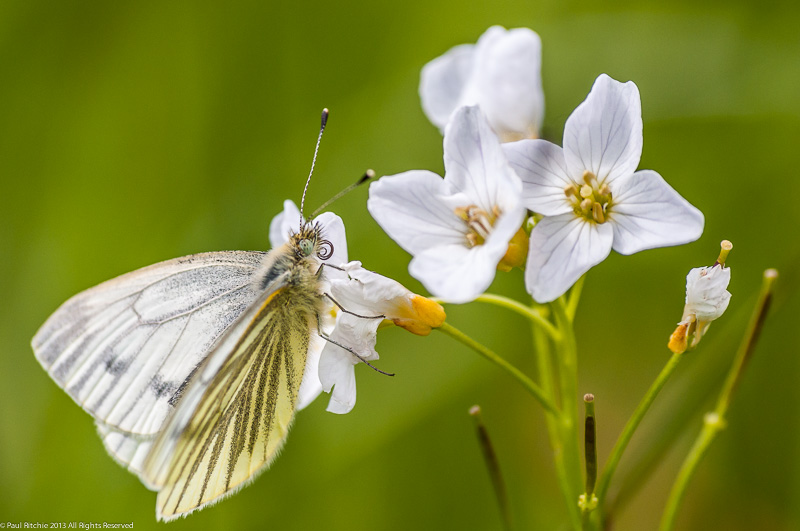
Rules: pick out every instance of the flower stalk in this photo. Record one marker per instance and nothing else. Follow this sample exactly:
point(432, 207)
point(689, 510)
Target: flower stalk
point(532, 314)
point(632, 424)
point(568, 380)
point(515, 373)
point(544, 359)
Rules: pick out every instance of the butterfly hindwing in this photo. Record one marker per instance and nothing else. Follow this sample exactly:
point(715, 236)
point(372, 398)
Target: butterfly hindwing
point(128, 449)
point(235, 415)
point(124, 348)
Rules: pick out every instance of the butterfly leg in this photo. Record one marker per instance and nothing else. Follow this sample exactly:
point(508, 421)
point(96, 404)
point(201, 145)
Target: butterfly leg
point(348, 349)
point(345, 310)
point(323, 264)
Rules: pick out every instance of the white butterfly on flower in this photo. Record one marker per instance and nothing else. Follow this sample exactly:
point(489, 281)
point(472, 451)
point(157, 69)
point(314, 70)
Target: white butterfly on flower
point(193, 368)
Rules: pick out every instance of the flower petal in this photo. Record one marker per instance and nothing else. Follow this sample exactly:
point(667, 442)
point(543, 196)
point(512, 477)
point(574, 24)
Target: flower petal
point(366, 292)
point(443, 81)
point(455, 273)
point(284, 224)
point(562, 249)
point(337, 371)
point(543, 171)
point(336, 364)
point(648, 213)
point(476, 165)
point(604, 133)
point(333, 231)
point(508, 81)
point(707, 296)
point(411, 209)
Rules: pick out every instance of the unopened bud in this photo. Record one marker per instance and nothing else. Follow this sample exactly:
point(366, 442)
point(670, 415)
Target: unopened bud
point(423, 316)
point(678, 341)
point(516, 254)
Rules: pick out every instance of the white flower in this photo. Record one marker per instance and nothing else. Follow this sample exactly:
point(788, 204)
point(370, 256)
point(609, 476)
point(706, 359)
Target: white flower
point(501, 74)
point(591, 195)
point(458, 228)
point(367, 295)
point(280, 229)
point(707, 296)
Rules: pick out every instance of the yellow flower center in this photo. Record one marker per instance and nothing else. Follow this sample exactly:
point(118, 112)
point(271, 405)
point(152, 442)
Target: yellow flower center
point(590, 200)
point(479, 222)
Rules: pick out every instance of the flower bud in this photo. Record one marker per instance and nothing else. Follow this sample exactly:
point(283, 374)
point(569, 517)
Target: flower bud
point(516, 254)
point(707, 298)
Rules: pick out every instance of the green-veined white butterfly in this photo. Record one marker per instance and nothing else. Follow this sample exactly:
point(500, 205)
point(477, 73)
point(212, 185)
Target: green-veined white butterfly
point(192, 367)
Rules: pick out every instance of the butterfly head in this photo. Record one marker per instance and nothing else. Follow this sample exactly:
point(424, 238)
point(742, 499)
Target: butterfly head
point(309, 242)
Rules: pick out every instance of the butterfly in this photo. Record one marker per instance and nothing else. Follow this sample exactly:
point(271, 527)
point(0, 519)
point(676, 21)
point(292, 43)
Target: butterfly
point(192, 367)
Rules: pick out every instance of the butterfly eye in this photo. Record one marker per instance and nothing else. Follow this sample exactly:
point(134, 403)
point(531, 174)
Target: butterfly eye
point(306, 247)
point(325, 250)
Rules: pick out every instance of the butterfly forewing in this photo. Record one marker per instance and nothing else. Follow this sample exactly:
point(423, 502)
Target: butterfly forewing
point(234, 417)
point(125, 348)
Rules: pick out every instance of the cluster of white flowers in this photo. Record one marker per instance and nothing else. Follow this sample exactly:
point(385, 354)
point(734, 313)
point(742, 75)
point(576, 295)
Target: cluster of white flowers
point(581, 199)
point(586, 196)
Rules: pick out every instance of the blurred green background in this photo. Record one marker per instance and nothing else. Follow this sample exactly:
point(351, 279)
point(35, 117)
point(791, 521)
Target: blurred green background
point(135, 132)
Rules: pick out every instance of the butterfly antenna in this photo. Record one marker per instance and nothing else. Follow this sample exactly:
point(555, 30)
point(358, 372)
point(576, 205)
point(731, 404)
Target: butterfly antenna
point(313, 162)
point(368, 175)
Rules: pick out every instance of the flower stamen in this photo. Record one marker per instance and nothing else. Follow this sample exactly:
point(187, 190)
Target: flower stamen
point(478, 221)
point(597, 213)
point(590, 201)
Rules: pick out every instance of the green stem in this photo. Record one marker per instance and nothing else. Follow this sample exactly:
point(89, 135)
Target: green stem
point(714, 422)
point(574, 297)
point(630, 427)
point(530, 313)
point(545, 365)
point(518, 375)
point(672, 421)
point(568, 380)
